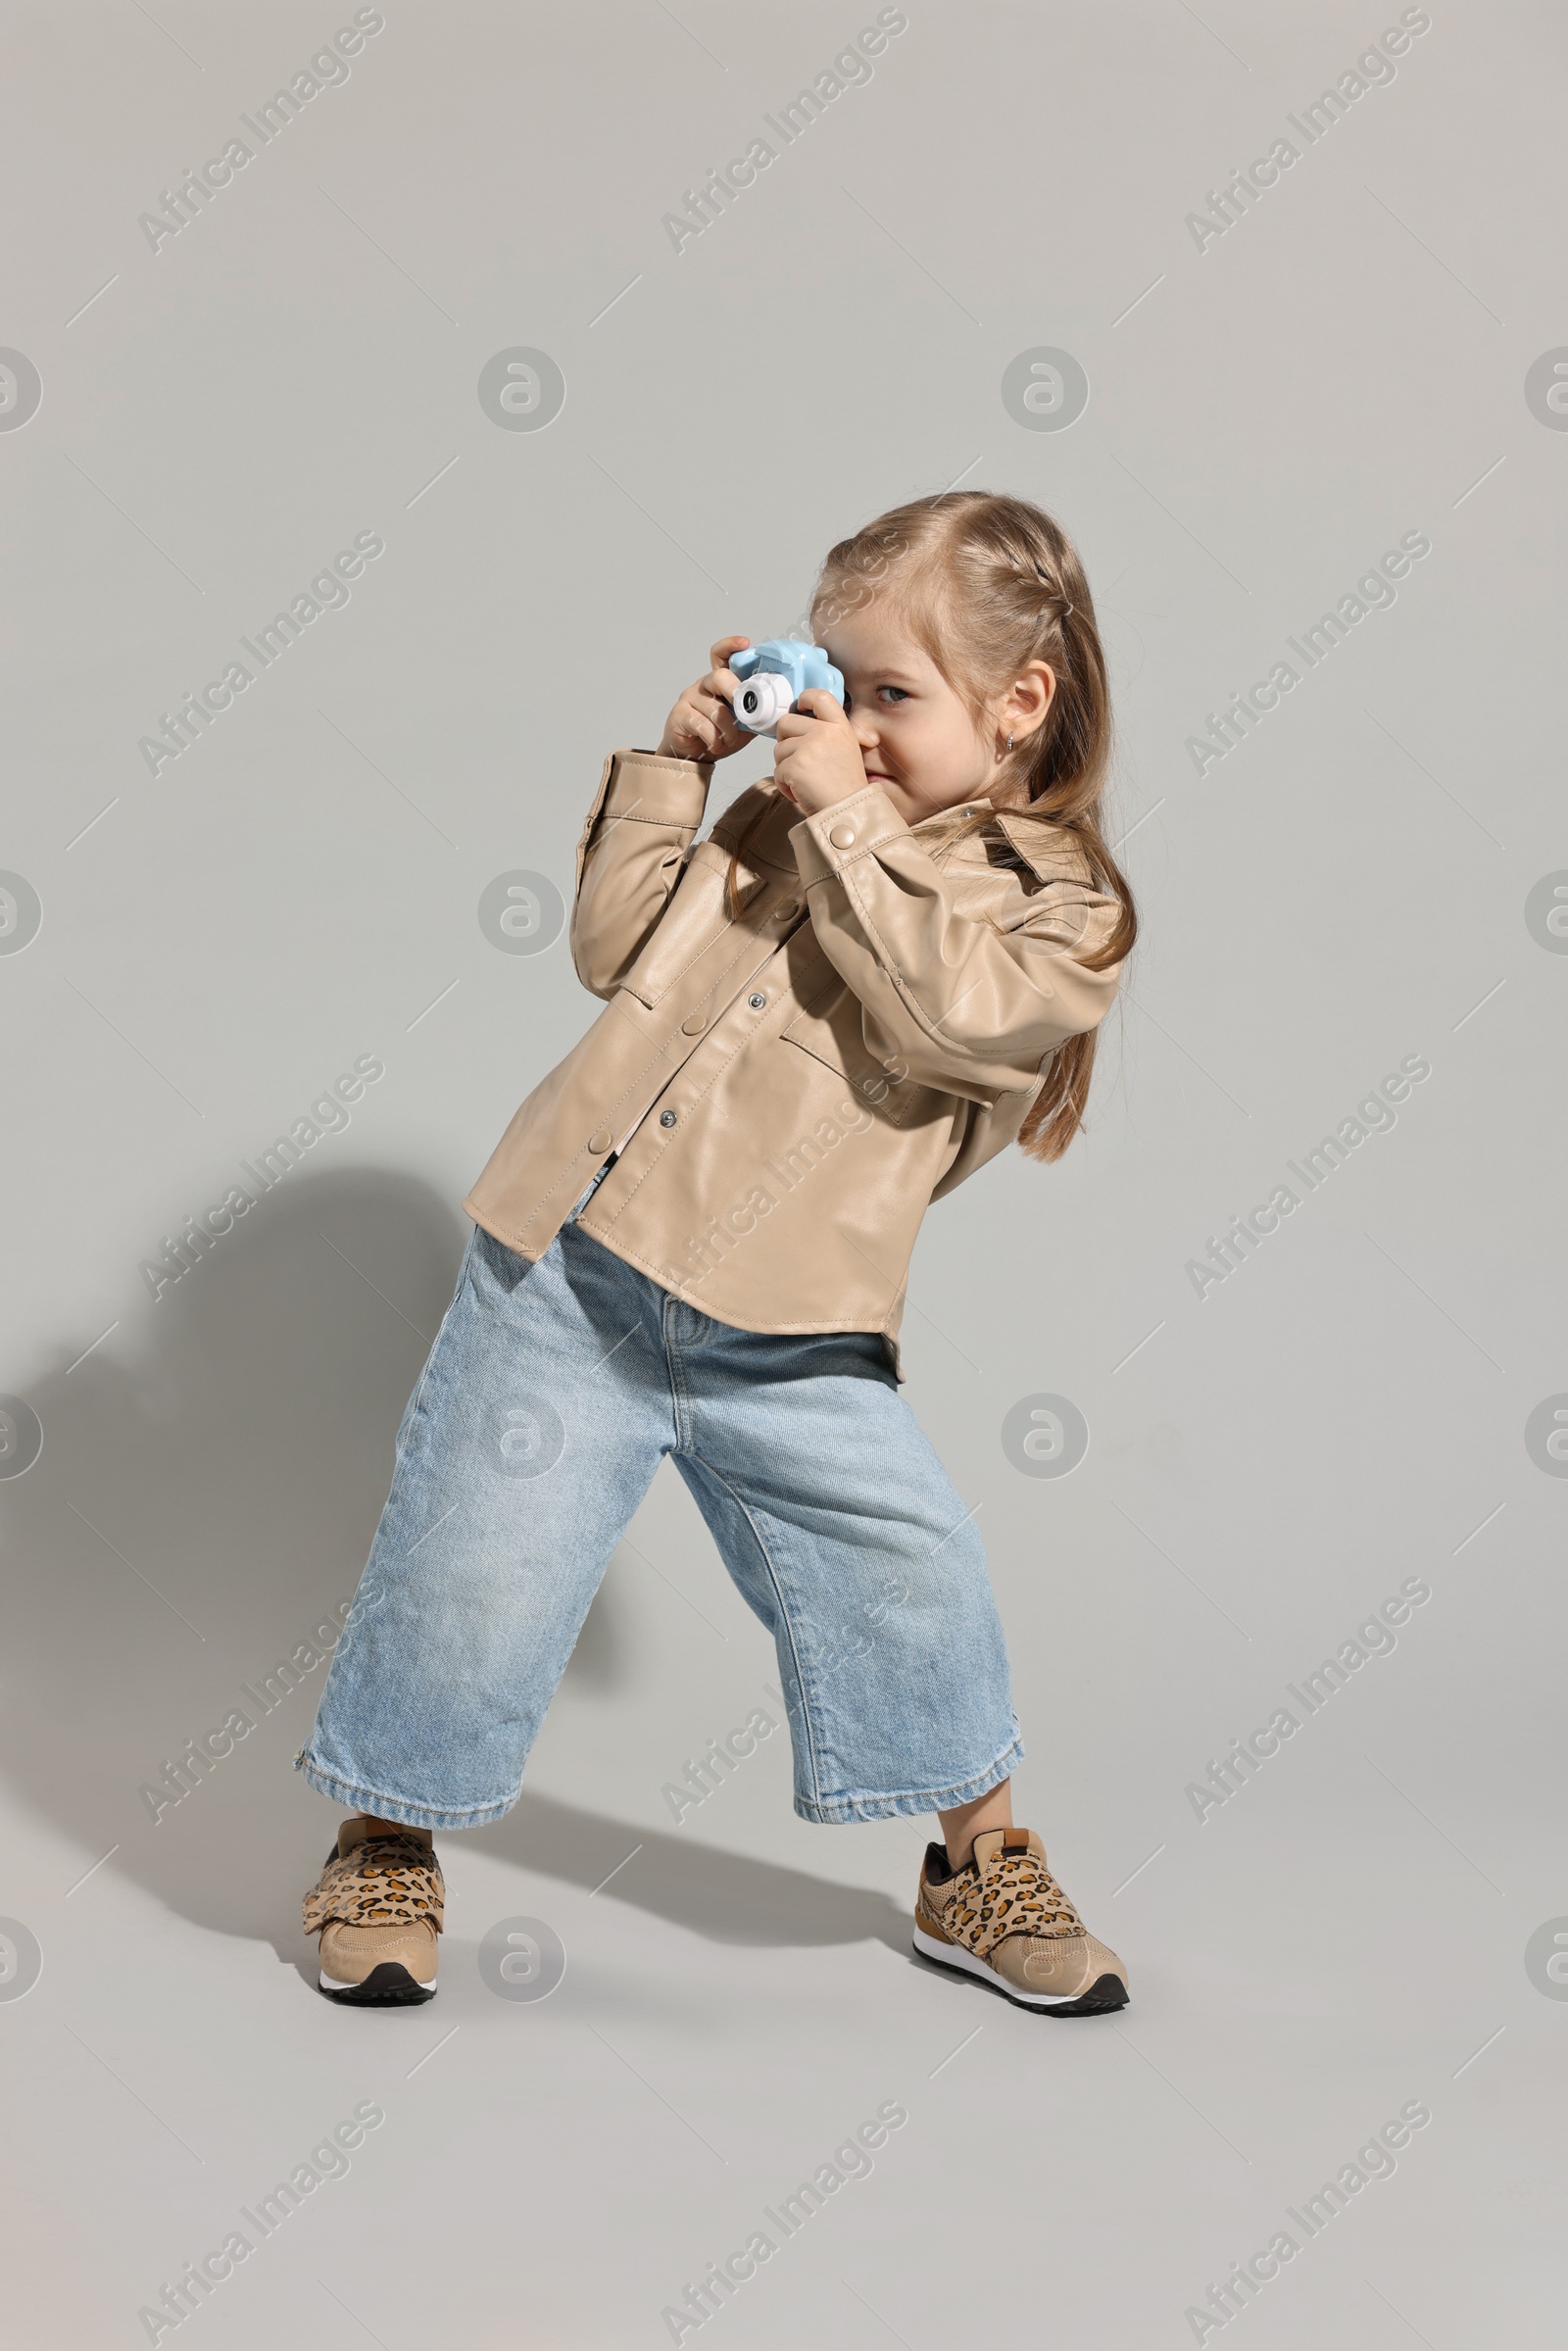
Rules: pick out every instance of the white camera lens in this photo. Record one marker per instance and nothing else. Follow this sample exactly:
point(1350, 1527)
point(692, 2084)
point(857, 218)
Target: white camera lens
point(762, 701)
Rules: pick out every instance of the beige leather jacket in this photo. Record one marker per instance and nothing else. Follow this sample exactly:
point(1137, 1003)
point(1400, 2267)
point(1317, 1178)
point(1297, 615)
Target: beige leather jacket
point(790, 1087)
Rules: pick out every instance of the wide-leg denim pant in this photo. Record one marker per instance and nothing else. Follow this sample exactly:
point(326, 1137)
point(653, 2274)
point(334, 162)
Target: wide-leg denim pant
point(550, 1397)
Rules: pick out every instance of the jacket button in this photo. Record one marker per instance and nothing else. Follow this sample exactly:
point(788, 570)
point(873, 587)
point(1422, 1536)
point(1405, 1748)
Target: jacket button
point(842, 836)
point(788, 910)
point(694, 1024)
point(667, 1118)
point(602, 1140)
point(757, 1002)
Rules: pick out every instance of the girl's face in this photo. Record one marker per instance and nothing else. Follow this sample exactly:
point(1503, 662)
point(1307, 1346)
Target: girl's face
point(917, 738)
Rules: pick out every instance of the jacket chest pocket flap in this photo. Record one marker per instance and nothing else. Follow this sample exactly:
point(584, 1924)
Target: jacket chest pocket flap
point(832, 1026)
point(694, 919)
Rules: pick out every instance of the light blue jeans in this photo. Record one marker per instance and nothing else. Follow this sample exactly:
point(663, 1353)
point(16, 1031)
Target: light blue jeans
point(550, 1397)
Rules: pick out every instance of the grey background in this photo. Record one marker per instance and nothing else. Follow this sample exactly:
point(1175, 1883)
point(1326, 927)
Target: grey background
point(302, 886)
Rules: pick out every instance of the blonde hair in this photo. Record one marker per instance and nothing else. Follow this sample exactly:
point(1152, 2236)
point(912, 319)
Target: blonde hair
point(988, 584)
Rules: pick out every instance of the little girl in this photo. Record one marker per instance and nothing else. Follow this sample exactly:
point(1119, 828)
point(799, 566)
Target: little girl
point(879, 968)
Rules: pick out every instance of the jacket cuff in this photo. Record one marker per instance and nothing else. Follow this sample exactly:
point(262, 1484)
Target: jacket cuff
point(852, 828)
point(656, 790)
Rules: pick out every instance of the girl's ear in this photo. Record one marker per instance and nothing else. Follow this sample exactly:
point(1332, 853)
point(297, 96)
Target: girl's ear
point(1024, 707)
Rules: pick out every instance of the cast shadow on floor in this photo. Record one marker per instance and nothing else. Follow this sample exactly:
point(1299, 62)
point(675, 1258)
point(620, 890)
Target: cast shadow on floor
point(729, 1897)
point(209, 1482)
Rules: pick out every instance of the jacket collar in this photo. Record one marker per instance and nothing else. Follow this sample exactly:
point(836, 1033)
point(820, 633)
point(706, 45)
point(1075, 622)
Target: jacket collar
point(1046, 849)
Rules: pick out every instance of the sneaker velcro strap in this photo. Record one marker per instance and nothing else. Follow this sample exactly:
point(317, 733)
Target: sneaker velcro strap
point(384, 1882)
point(1014, 1894)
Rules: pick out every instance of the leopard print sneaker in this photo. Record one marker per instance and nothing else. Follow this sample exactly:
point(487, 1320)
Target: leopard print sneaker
point(378, 1907)
point(1003, 1918)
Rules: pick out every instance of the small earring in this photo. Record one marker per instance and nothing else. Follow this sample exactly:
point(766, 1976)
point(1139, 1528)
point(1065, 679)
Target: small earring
point(1009, 742)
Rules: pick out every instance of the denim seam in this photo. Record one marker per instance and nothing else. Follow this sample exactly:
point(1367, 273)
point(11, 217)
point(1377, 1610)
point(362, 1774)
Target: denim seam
point(679, 1392)
point(904, 1803)
point(784, 1616)
point(377, 1800)
point(411, 1408)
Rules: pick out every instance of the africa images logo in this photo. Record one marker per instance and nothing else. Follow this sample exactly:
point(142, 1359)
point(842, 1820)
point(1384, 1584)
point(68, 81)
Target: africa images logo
point(195, 191)
point(1374, 1114)
point(328, 592)
point(1374, 592)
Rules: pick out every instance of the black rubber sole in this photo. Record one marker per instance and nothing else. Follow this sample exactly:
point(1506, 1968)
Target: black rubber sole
point(1104, 1997)
point(389, 1985)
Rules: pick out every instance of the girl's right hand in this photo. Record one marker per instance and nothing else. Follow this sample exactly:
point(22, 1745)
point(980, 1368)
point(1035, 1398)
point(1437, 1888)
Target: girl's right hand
point(701, 725)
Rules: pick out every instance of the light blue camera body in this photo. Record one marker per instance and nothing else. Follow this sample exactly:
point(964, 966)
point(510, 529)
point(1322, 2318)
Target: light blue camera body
point(775, 675)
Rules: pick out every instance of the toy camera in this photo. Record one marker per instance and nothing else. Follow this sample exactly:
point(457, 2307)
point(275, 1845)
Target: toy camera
point(773, 677)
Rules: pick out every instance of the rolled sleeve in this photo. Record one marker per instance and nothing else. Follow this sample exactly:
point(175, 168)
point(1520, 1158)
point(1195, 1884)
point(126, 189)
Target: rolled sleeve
point(647, 786)
point(832, 838)
point(642, 819)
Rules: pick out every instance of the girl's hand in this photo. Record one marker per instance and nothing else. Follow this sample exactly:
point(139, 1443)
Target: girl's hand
point(701, 725)
point(819, 761)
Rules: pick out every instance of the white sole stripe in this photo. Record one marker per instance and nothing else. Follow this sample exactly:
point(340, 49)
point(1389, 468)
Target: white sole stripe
point(955, 1955)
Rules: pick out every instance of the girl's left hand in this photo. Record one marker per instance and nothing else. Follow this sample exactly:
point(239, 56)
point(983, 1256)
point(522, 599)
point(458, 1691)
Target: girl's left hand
point(818, 760)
